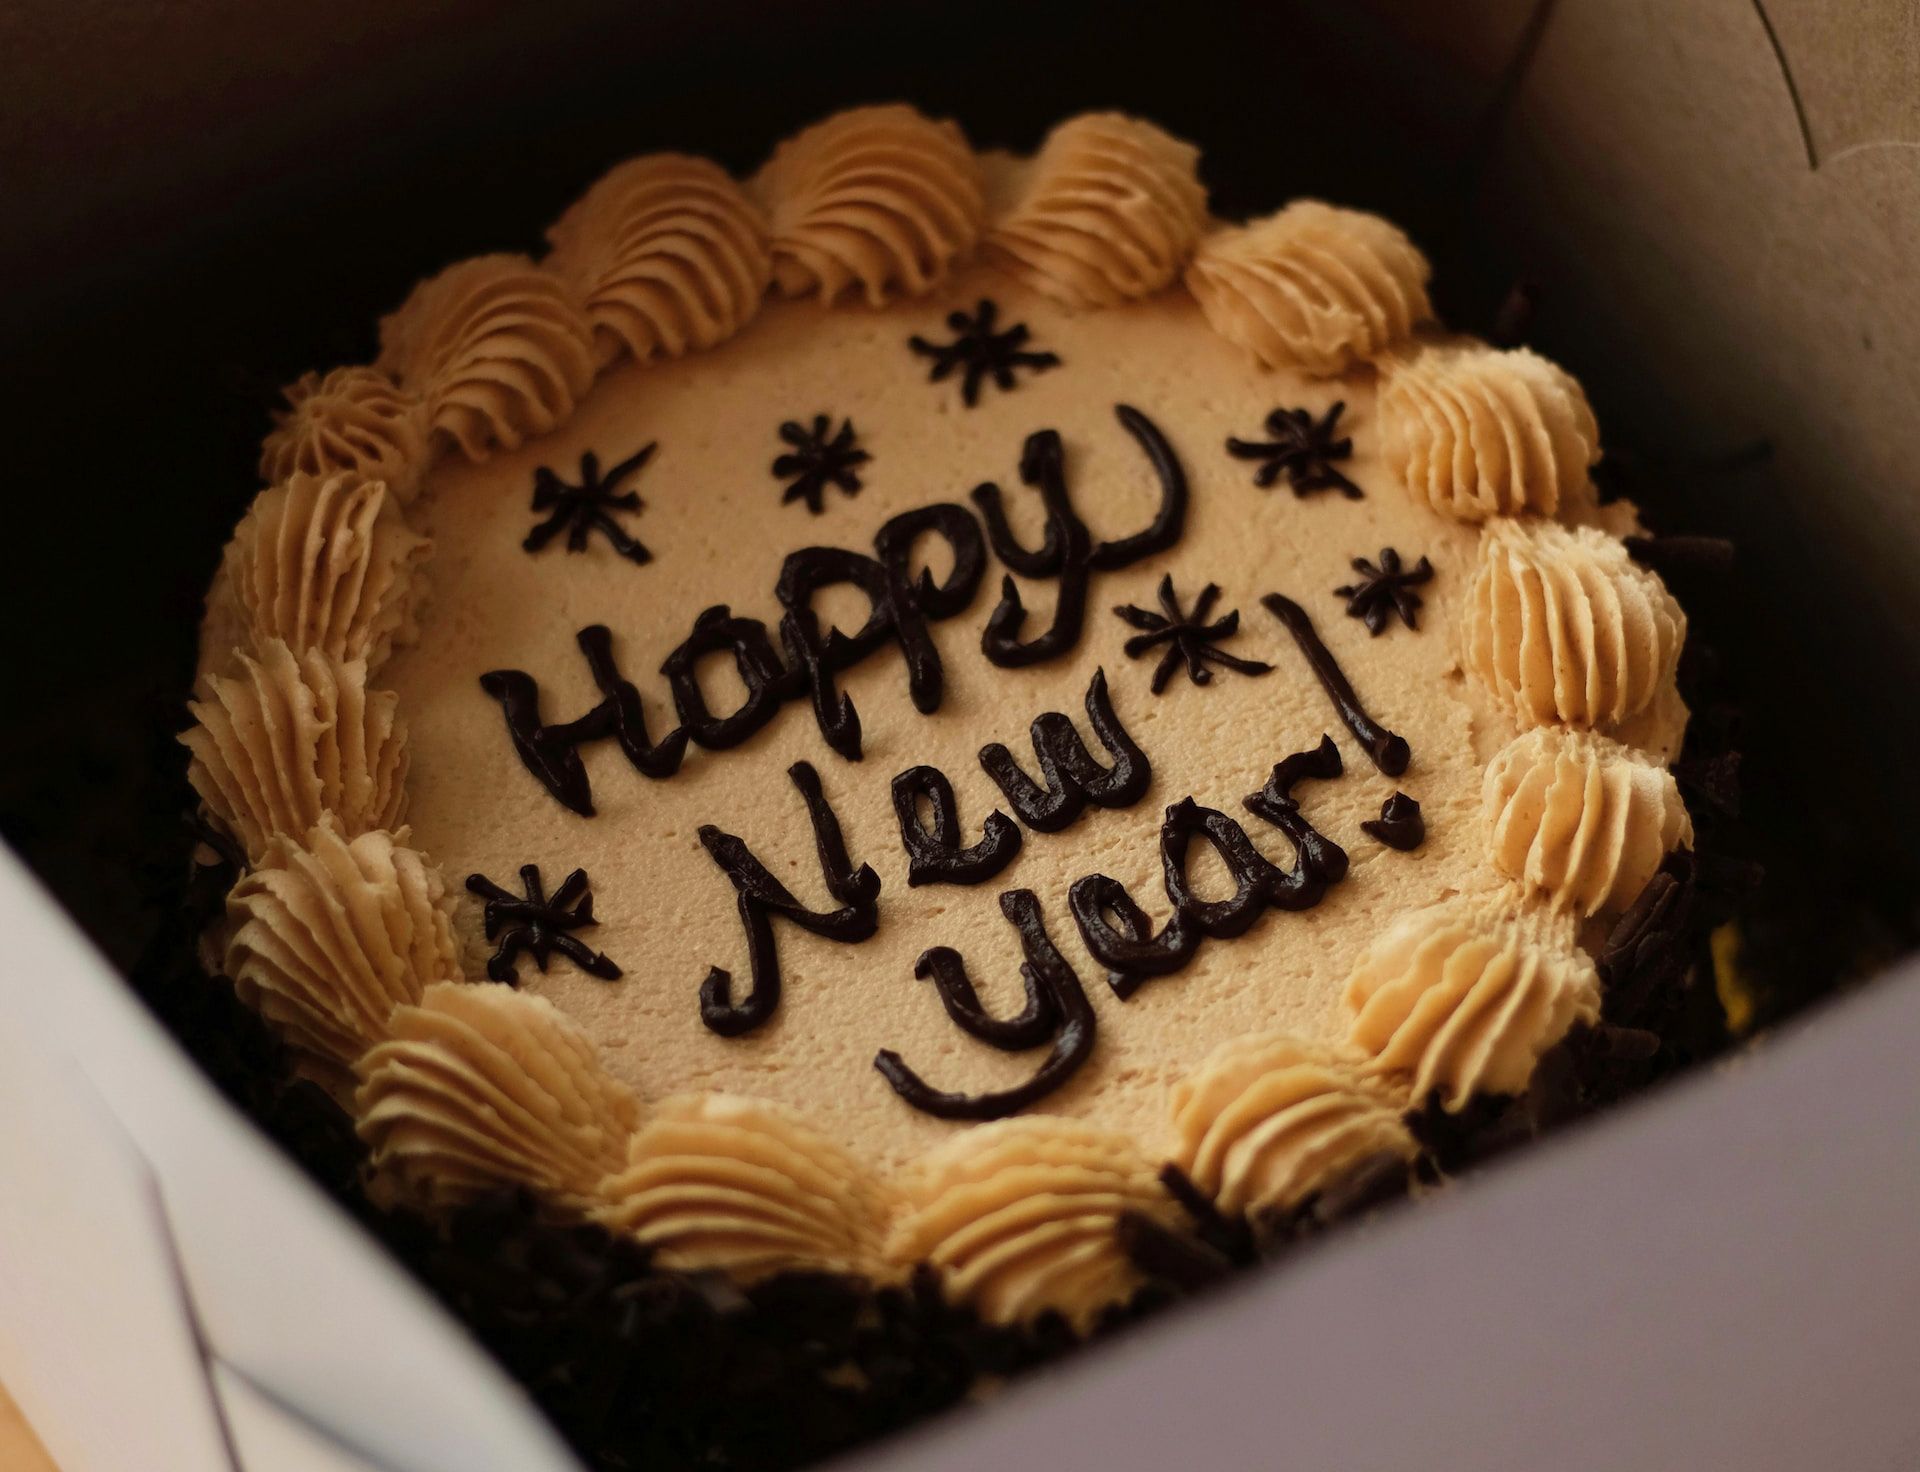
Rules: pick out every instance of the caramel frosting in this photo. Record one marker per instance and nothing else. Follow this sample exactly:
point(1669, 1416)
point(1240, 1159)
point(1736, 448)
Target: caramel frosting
point(326, 564)
point(1582, 818)
point(1313, 287)
point(1270, 1119)
point(482, 1088)
point(878, 200)
point(327, 937)
point(1463, 998)
point(353, 420)
point(496, 347)
point(1112, 208)
point(1563, 626)
point(1478, 433)
point(1018, 1217)
point(621, 1085)
point(667, 254)
point(292, 739)
point(719, 1181)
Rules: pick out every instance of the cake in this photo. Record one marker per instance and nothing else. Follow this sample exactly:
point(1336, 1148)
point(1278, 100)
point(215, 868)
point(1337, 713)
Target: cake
point(935, 718)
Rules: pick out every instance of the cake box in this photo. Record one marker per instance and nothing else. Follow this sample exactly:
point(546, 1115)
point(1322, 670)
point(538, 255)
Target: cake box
point(1708, 198)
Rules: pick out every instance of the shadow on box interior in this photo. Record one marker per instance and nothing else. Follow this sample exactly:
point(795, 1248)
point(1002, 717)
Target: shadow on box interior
point(142, 365)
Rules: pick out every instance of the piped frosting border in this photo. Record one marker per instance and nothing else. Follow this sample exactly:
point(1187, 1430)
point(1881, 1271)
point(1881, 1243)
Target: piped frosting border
point(338, 933)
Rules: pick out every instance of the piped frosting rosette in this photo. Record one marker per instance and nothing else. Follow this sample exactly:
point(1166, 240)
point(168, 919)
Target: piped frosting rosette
point(1581, 818)
point(1020, 1217)
point(327, 936)
point(326, 564)
point(667, 255)
point(1477, 432)
point(1271, 1119)
point(1112, 209)
point(1313, 287)
point(875, 200)
point(1462, 998)
point(1564, 627)
point(291, 741)
point(498, 349)
point(353, 420)
point(714, 1181)
point(481, 1088)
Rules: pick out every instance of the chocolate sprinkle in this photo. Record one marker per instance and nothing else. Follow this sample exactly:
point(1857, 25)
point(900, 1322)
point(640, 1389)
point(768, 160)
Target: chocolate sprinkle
point(1399, 824)
point(1303, 449)
point(819, 457)
point(981, 352)
point(1189, 638)
point(538, 925)
point(1384, 590)
point(589, 506)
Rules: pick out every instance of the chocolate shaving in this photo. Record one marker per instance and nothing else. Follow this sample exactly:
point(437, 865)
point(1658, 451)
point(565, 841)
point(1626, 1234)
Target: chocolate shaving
point(1668, 555)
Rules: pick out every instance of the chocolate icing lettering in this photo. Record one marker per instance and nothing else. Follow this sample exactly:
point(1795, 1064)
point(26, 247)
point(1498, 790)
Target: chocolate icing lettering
point(1390, 752)
point(902, 601)
point(552, 753)
point(761, 897)
point(1056, 1006)
point(1072, 777)
point(935, 856)
point(1067, 550)
point(1121, 936)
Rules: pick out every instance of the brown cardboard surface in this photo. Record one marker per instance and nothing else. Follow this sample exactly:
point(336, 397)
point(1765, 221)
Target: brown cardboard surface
point(1727, 264)
point(20, 1449)
point(1717, 203)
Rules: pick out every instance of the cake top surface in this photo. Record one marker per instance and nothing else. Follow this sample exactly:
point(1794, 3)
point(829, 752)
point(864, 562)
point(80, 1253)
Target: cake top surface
point(1295, 710)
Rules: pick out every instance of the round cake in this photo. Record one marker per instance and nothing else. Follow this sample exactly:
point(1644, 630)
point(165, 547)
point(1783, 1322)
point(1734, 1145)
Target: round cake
point(905, 712)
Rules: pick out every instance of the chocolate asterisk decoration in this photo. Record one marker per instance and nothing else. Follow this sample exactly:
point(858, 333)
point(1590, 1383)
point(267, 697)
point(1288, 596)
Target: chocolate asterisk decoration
point(589, 506)
point(538, 925)
point(981, 352)
point(1385, 589)
point(816, 458)
point(1188, 637)
point(1303, 449)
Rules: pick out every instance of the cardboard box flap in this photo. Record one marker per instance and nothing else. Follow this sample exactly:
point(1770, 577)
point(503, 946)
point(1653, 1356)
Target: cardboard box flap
point(284, 1288)
point(1720, 1278)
